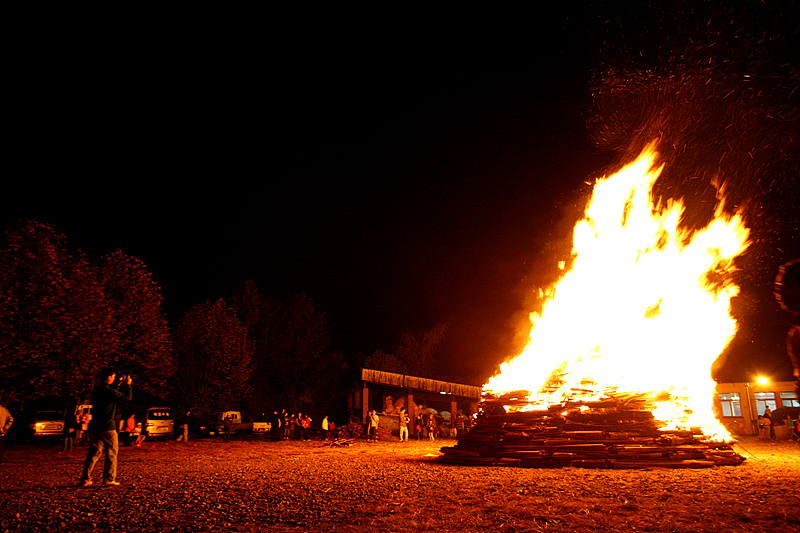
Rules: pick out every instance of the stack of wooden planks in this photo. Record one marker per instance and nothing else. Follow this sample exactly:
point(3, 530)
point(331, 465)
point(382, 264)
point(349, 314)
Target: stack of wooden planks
point(353, 430)
point(616, 432)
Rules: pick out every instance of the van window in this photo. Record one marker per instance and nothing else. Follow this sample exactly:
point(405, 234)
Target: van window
point(159, 414)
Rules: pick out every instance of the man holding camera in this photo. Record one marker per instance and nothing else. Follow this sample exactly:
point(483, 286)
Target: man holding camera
point(103, 437)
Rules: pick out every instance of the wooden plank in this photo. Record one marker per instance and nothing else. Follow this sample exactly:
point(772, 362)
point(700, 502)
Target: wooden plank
point(617, 432)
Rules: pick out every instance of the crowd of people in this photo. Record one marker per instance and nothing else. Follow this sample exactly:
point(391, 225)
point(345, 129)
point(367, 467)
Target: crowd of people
point(107, 426)
point(427, 425)
point(766, 425)
point(285, 426)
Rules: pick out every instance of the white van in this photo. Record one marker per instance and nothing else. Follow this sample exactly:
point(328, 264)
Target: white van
point(158, 422)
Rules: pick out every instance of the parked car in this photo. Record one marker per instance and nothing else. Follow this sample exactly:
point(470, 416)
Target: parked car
point(158, 422)
point(47, 424)
point(239, 424)
point(199, 427)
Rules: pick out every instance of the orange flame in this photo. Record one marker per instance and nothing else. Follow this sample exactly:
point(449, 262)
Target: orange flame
point(643, 309)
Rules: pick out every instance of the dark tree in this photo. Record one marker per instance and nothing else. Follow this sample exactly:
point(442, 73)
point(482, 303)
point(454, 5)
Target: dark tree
point(258, 314)
point(55, 326)
point(418, 347)
point(250, 306)
point(91, 340)
point(387, 362)
point(301, 371)
point(139, 321)
point(295, 350)
point(211, 357)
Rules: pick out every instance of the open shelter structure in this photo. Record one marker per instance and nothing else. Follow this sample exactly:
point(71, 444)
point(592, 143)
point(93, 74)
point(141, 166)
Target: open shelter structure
point(387, 392)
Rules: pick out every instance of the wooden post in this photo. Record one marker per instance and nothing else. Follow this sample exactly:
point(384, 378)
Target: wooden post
point(364, 403)
point(412, 415)
point(750, 414)
point(453, 415)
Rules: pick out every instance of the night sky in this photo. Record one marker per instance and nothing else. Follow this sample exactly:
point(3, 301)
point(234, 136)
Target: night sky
point(400, 179)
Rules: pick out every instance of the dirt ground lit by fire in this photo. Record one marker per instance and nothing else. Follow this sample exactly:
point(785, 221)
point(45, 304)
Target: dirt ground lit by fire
point(254, 486)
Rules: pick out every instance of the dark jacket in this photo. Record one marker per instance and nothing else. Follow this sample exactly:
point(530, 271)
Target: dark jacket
point(70, 425)
point(104, 405)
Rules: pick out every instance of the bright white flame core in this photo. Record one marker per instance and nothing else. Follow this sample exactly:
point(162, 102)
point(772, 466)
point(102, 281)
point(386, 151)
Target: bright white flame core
point(644, 308)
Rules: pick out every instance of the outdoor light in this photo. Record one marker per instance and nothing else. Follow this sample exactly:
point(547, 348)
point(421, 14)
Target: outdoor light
point(762, 381)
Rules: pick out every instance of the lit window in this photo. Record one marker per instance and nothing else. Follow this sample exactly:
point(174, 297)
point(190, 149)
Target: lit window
point(789, 399)
point(764, 400)
point(730, 404)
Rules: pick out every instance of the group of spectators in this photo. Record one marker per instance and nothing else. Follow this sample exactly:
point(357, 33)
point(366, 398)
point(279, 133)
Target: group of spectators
point(76, 427)
point(285, 426)
point(766, 426)
point(130, 431)
point(104, 431)
point(426, 425)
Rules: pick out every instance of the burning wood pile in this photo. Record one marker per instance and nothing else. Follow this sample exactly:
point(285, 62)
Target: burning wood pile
point(618, 431)
point(643, 275)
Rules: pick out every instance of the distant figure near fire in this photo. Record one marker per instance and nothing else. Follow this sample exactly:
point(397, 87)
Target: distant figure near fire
point(787, 292)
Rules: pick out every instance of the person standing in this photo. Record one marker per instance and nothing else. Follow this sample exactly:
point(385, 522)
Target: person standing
point(184, 427)
point(326, 428)
point(275, 427)
point(5, 424)
point(228, 428)
point(461, 424)
point(431, 427)
point(83, 425)
point(103, 437)
point(403, 424)
point(285, 424)
point(768, 416)
point(763, 427)
point(69, 432)
point(305, 425)
point(373, 425)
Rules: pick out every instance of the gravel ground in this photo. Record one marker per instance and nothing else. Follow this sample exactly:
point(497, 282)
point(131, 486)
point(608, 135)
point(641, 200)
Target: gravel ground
point(206, 485)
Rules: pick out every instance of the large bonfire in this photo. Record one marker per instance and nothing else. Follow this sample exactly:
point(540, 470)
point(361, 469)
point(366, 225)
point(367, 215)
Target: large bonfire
point(641, 312)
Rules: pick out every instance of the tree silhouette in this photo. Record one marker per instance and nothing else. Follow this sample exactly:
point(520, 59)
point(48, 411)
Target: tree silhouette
point(249, 305)
point(91, 340)
point(55, 327)
point(297, 360)
point(211, 357)
point(387, 362)
point(293, 367)
point(258, 315)
point(417, 348)
point(139, 322)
